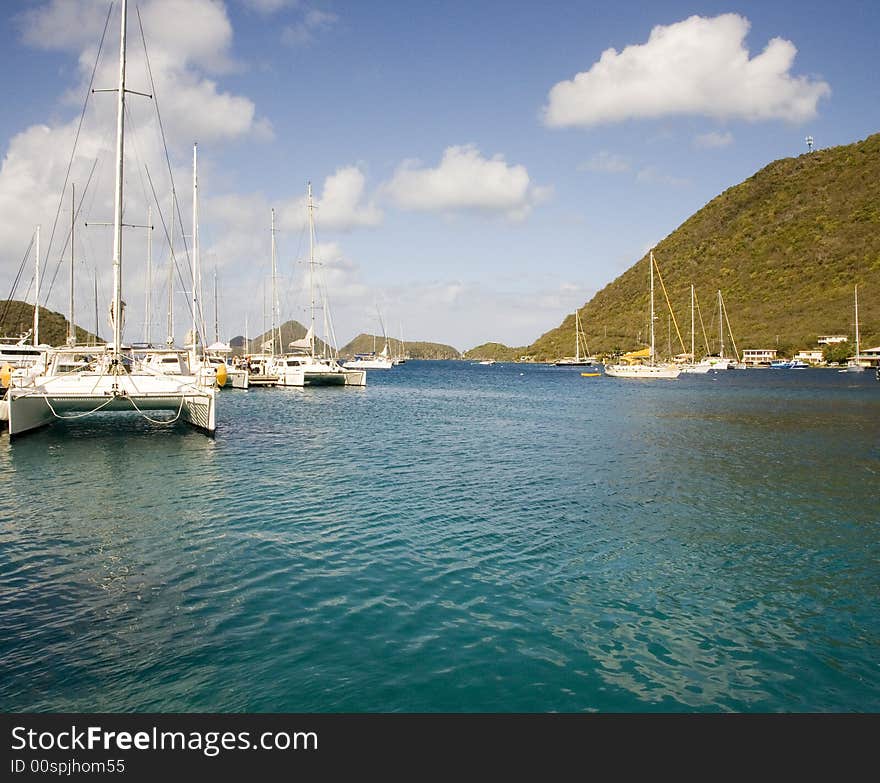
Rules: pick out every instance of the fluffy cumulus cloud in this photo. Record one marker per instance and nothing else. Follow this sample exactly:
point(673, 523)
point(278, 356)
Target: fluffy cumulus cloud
point(699, 66)
point(341, 204)
point(465, 180)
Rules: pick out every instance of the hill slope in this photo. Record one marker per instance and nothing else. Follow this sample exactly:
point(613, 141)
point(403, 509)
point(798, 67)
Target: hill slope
point(364, 343)
point(17, 317)
point(785, 247)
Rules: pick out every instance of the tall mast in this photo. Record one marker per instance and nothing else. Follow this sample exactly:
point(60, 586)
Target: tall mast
point(216, 317)
point(148, 304)
point(693, 355)
point(857, 322)
point(577, 336)
point(652, 306)
point(195, 232)
point(96, 305)
point(169, 337)
point(71, 329)
point(117, 211)
point(274, 322)
point(37, 294)
point(720, 325)
point(312, 270)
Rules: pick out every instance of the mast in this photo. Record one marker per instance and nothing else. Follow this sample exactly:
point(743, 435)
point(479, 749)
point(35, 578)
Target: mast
point(274, 322)
point(117, 211)
point(693, 349)
point(577, 336)
point(169, 337)
point(720, 325)
point(195, 231)
point(652, 306)
point(312, 271)
point(216, 318)
point(71, 329)
point(96, 305)
point(148, 304)
point(858, 351)
point(37, 294)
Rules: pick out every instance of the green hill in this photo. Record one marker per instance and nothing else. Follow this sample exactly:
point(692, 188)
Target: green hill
point(17, 318)
point(364, 343)
point(496, 351)
point(289, 330)
point(785, 247)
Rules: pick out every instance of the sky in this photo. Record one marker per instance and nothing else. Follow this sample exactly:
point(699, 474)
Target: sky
point(478, 169)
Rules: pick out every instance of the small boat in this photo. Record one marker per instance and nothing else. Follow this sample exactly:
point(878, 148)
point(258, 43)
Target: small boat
point(590, 374)
point(780, 364)
point(577, 360)
point(487, 362)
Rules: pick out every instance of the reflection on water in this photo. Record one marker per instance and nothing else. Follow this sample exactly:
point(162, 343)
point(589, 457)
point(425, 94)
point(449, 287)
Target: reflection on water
point(454, 538)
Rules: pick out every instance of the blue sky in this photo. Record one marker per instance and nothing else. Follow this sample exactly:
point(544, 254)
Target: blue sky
point(479, 169)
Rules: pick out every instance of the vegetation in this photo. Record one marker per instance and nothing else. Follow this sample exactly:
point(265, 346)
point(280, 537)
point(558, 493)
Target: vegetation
point(838, 353)
point(364, 343)
point(17, 318)
point(785, 248)
point(496, 351)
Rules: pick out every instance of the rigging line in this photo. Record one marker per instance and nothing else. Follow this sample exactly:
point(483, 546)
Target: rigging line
point(17, 280)
point(67, 236)
point(702, 326)
point(76, 138)
point(164, 139)
point(729, 330)
point(167, 238)
point(657, 267)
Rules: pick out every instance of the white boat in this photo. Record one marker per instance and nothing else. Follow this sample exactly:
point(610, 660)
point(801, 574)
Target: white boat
point(302, 365)
point(711, 362)
point(371, 361)
point(651, 369)
point(578, 360)
point(116, 379)
point(487, 362)
point(855, 363)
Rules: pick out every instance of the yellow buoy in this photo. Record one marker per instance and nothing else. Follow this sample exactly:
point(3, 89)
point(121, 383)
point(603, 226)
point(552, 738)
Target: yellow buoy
point(5, 375)
point(221, 375)
point(590, 374)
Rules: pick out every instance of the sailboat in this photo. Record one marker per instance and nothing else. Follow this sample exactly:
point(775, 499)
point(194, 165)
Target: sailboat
point(652, 369)
point(373, 360)
point(84, 380)
point(303, 366)
point(854, 364)
point(579, 337)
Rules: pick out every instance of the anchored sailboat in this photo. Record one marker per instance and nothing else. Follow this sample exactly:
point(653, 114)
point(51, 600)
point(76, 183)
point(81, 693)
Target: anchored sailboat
point(652, 368)
point(579, 338)
point(304, 366)
point(85, 380)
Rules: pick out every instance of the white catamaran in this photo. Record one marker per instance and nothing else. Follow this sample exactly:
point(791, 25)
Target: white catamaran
point(84, 380)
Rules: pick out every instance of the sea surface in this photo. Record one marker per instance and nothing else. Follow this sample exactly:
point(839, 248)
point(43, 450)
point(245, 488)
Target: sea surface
point(455, 538)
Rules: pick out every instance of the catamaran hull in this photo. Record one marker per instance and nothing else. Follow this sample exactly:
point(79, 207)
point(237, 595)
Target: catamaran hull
point(29, 410)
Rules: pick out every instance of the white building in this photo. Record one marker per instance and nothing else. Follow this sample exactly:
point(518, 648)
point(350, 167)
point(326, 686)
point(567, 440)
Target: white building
point(830, 339)
point(758, 357)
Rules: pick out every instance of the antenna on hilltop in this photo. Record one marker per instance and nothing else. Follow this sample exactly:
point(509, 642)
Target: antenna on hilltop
point(809, 141)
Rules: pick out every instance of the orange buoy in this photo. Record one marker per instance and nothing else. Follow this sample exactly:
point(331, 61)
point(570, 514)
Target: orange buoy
point(5, 375)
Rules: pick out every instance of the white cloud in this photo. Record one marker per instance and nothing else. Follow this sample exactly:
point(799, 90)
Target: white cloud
point(713, 139)
point(699, 66)
point(465, 180)
point(342, 204)
point(312, 23)
point(651, 175)
point(609, 162)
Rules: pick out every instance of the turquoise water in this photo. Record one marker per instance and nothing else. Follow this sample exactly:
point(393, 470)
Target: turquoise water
point(455, 538)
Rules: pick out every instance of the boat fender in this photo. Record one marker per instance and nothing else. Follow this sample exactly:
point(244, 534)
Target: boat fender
point(5, 375)
point(221, 375)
